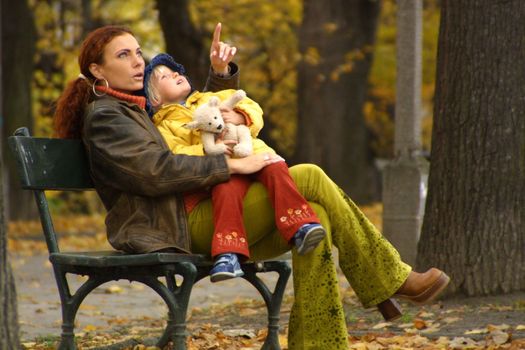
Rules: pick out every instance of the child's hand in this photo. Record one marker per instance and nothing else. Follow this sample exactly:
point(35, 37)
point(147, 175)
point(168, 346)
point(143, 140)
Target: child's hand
point(228, 145)
point(221, 54)
point(231, 116)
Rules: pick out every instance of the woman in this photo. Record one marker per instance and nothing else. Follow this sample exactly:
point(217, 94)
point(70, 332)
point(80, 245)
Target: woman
point(142, 184)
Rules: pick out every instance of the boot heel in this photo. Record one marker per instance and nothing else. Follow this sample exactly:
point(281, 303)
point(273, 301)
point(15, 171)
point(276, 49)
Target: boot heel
point(390, 309)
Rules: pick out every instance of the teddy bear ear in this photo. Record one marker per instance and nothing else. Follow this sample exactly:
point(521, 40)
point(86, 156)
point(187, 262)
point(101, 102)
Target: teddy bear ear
point(214, 101)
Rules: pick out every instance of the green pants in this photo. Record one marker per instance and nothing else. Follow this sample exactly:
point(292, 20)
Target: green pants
point(370, 263)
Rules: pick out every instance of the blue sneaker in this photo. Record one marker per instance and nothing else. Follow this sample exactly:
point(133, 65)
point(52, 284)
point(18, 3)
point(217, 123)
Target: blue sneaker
point(226, 266)
point(308, 237)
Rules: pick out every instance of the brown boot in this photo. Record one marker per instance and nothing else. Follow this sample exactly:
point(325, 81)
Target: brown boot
point(390, 309)
point(422, 288)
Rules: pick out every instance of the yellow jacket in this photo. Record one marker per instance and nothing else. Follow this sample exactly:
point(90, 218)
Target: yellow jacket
point(170, 120)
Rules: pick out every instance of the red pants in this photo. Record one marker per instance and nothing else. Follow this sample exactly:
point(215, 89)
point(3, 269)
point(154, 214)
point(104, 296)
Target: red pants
point(291, 209)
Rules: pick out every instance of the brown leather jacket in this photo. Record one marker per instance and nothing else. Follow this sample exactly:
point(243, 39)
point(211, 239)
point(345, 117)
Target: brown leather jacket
point(137, 177)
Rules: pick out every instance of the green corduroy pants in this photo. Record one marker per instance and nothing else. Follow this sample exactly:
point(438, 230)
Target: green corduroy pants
point(370, 263)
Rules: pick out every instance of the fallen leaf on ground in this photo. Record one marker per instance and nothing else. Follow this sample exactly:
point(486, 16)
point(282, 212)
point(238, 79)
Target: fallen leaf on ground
point(358, 346)
point(113, 289)
point(246, 333)
point(425, 314)
point(461, 343)
point(420, 324)
point(501, 327)
point(449, 320)
point(382, 325)
point(405, 325)
point(433, 328)
point(90, 328)
point(499, 337)
point(476, 331)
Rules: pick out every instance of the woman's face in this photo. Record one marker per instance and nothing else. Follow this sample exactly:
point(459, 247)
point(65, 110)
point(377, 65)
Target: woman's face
point(123, 64)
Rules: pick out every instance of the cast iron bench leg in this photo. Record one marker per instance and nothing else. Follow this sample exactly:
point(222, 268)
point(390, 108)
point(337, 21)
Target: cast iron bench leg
point(70, 304)
point(178, 305)
point(273, 300)
point(176, 298)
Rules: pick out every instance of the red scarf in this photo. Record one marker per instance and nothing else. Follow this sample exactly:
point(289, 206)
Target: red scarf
point(138, 100)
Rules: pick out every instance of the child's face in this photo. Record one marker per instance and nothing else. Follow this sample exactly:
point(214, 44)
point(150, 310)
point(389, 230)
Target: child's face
point(171, 87)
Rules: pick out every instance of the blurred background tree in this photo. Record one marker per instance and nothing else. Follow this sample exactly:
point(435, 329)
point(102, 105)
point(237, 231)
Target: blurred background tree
point(18, 51)
point(267, 36)
point(336, 45)
point(9, 329)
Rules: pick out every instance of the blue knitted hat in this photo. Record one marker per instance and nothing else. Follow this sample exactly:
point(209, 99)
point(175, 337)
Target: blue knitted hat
point(161, 59)
point(165, 60)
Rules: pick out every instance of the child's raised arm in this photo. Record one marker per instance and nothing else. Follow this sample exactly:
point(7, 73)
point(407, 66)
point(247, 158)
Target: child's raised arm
point(221, 54)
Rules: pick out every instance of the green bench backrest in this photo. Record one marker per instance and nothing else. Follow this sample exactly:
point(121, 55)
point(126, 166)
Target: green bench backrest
point(50, 164)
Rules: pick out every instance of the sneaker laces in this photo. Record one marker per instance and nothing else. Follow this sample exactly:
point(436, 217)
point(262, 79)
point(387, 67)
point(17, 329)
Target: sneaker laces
point(225, 259)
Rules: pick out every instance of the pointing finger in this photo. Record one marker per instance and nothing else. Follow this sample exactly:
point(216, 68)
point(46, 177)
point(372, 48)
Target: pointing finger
point(217, 34)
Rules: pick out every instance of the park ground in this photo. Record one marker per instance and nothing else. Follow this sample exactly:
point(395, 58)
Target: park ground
point(231, 315)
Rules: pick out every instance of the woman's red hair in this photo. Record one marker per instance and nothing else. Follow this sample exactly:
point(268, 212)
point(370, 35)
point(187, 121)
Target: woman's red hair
point(69, 114)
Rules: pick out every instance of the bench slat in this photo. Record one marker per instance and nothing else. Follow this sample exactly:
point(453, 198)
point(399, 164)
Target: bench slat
point(51, 164)
point(115, 258)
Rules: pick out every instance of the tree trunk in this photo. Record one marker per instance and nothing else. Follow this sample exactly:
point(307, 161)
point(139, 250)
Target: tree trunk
point(474, 225)
point(336, 40)
point(87, 18)
point(18, 47)
point(183, 41)
point(9, 338)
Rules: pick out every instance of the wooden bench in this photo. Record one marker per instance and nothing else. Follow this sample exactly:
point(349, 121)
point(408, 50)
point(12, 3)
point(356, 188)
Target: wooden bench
point(59, 164)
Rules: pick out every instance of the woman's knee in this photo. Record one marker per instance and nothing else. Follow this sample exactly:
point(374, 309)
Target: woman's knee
point(307, 170)
point(313, 183)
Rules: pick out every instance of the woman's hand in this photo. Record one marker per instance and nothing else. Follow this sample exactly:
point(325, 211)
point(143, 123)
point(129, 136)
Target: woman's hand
point(253, 163)
point(231, 116)
point(221, 54)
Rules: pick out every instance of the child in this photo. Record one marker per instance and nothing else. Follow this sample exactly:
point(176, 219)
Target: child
point(174, 100)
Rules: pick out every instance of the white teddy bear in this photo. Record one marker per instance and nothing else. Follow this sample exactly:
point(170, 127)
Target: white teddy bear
point(208, 119)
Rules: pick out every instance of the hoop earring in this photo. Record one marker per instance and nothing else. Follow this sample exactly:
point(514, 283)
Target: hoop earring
point(95, 84)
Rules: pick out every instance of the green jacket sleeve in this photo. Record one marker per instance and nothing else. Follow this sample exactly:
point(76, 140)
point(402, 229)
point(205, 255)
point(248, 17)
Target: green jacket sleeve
point(217, 83)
